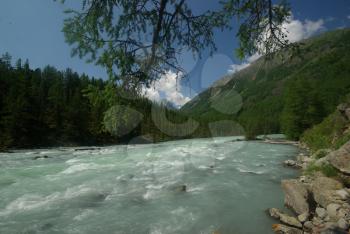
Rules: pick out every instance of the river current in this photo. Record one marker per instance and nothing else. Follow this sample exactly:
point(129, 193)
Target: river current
point(214, 185)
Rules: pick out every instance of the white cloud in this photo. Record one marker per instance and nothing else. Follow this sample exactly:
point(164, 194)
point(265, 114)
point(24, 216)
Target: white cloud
point(348, 17)
point(296, 30)
point(237, 67)
point(168, 88)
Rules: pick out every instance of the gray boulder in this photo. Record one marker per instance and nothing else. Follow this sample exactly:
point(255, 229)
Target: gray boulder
point(343, 224)
point(342, 194)
point(284, 218)
point(303, 217)
point(291, 163)
point(333, 209)
point(323, 189)
point(296, 196)
point(340, 158)
point(344, 213)
point(321, 212)
point(308, 225)
point(316, 221)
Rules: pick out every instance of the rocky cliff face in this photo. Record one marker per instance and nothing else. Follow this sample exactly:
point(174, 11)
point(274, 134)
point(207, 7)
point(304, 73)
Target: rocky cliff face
point(319, 199)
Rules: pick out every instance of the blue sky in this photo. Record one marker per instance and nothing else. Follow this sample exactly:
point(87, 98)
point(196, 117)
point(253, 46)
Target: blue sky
point(32, 29)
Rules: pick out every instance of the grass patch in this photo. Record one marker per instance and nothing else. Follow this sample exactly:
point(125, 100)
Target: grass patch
point(320, 154)
point(327, 134)
point(326, 169)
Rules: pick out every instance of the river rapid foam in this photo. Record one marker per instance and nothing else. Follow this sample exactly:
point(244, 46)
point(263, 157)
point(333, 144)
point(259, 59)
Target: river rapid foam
point(187, 186)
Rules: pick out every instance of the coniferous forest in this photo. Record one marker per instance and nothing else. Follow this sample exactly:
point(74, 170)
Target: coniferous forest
point(47, 107)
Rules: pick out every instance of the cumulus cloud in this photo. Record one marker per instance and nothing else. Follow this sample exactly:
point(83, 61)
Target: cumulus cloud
point(295, 30)
point(168, 88)
point(348, 17)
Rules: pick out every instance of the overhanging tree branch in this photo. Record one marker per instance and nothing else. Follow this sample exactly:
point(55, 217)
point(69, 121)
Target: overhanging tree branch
point(143, 38)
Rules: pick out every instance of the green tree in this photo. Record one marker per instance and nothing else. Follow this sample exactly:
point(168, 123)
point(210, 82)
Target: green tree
point(137, 40)
point(302, 108)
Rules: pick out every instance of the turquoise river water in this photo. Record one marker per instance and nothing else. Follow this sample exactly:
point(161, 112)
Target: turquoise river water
point(139, 188)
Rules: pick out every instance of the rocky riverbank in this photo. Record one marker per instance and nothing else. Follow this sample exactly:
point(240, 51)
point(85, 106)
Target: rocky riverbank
point(320, 197)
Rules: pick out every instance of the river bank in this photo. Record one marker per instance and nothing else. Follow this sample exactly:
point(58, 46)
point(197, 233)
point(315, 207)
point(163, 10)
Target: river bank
point(319, 196)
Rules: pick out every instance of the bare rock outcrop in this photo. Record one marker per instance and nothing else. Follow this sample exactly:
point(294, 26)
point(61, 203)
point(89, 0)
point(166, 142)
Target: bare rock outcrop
point(340, 158)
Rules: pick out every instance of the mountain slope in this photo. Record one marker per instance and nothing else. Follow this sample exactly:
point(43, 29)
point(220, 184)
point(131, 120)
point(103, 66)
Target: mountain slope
point(257, 96)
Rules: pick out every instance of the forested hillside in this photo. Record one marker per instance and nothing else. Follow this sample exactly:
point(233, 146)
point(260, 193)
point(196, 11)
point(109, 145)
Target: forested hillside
point(289, 96)
point(49, 107)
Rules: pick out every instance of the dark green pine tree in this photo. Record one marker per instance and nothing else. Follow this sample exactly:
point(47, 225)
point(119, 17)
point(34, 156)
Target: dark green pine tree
point(302, 108)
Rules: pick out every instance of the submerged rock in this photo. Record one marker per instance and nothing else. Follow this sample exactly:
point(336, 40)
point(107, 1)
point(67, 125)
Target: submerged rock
point(40, 157)
point(46, 226)
point(93, 200)
point(296, 196)
point(87, 148)
point(180, 188)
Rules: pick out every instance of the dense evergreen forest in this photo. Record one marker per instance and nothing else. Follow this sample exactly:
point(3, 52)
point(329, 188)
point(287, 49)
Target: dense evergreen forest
point(47, 107)
point(62, 108)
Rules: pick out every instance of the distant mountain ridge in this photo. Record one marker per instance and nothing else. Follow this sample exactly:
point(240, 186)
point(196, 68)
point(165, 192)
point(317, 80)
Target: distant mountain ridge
point(263, 86)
